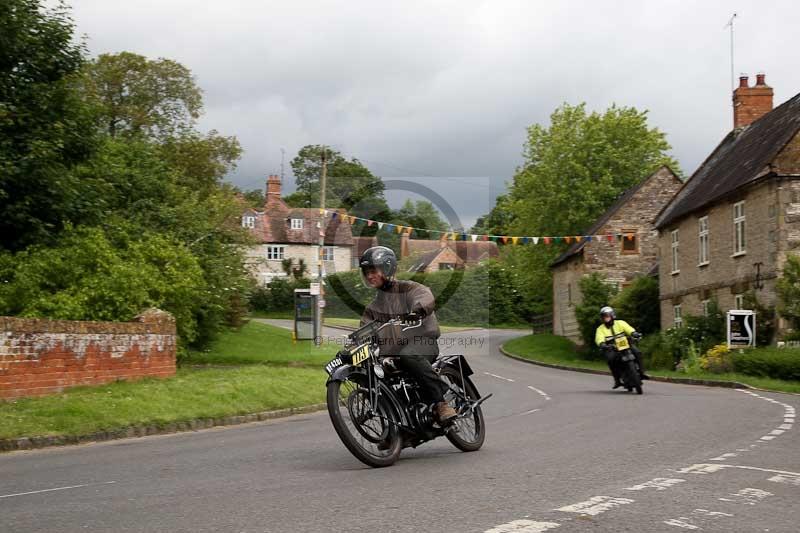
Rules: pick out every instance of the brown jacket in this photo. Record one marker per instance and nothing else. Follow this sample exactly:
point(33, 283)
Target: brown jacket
point(400, 298)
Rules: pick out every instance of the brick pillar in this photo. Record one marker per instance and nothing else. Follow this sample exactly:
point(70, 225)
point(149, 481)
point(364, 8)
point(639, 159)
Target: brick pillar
point(751, 103)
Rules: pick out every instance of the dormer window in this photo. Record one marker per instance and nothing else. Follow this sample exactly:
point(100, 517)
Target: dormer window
point(248, 221)
point(296, 223)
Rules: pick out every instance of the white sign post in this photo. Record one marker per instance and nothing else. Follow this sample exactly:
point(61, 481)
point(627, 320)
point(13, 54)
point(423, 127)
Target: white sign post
point(314, 287)
point(741, 328)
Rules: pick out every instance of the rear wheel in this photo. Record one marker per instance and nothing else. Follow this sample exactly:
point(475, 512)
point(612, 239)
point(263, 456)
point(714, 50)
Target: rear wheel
point(633, 377)
point(369, 434)
point(469, 430)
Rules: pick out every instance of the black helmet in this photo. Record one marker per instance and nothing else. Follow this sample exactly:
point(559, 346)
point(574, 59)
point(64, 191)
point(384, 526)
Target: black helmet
point(608, 310)
point(381, 258)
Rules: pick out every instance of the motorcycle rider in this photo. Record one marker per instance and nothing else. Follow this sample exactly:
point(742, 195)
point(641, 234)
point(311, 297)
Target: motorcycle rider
point(612, 326)
point(417, 348)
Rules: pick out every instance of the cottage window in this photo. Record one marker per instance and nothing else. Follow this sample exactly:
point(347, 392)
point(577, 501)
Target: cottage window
point(447, 266)
point(739, 241)
point(248, 221)
point(705, 304)
point(296, 223)
point(702, 226)
point(569, 293)
point(677, 314)
point(630, 241)
point(327, 253)
point(675, 263)
point(275, 253)
point(738, 301)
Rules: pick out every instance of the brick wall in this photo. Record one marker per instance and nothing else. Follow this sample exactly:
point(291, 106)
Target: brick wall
point(41, 356)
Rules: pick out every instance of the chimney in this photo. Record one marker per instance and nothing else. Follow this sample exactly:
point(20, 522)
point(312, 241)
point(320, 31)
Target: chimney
point(273, 190)
point(404, 245)
point(751, 103)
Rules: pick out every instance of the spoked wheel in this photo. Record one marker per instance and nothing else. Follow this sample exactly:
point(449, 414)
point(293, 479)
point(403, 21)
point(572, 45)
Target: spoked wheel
point(469, 430)
point(366, 432)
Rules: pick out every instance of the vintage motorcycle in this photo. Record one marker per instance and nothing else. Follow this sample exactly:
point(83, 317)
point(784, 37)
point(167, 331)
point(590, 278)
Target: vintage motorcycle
point(625, 360)
point(377, 409)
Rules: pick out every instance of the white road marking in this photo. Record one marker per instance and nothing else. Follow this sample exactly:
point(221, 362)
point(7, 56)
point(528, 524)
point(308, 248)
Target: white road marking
point(658, 483)
point(523, 526)
point(531, 411)
point(711, 468)
point(541, 392)
point(54, 489)
point(787, 479)
point(747, 496)
point(499, 377)
point(777, 432)
point(710, 514)
point(767, 437)
point(680, 522)
point(785, 426)
point(724, 456)
point(595, 505)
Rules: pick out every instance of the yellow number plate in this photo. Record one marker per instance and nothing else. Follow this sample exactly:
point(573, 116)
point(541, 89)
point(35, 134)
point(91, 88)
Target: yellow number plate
point(622, 343)
point(361, 354)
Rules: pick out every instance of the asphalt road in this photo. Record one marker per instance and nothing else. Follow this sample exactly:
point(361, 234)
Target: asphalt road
point(563, 453)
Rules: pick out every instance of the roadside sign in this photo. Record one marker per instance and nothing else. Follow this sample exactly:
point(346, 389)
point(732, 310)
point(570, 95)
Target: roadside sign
point(321, 303)
point(741, 328)
point(315, 289)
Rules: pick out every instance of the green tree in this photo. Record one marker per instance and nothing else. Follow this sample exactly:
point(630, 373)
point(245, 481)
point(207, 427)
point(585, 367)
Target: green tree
point(44, 127)
point(136, 95)
point(595, 293)
point(788, 289)
point(575, 168)
point(497, 221)
point(638, 304)
point(350, 184)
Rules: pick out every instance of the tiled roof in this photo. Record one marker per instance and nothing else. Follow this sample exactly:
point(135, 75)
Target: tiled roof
point(743, 157)
point(467, 251)
point(273, 226)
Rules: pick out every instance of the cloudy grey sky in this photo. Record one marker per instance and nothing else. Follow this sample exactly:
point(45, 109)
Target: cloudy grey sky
point(447, 88)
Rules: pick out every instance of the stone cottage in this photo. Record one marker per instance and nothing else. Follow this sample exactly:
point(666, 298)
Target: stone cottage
point(292, 233)
point(731, 227)
point(619, 260)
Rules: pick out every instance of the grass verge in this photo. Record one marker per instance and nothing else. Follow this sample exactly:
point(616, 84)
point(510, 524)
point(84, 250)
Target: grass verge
point(277, 374)
point(560, 351)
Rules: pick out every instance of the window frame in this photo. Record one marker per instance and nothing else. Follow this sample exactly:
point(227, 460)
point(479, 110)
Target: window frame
point(328, 253)
point(248, 221)
point(703, 238)
point(739, 229)
point(738, 302)
point(677, 316)
point(295, 223)
point(278, 250)
point(705, 305)
point(674, 246)
point(634, 240)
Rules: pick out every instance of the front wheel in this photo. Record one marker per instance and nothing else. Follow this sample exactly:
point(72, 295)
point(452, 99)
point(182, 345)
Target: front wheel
point(469, 429)
point(633, 378)
point(369, 434)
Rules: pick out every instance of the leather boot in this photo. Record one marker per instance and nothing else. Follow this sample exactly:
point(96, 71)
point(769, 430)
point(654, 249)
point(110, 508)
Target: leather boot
point(445, 413)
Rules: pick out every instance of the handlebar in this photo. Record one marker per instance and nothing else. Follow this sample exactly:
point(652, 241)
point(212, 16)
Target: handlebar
point(372, 328)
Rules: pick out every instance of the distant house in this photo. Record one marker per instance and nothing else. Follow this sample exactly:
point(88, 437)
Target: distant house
point(619, 261)
point(360, 245)
point(431, 255)
point(731, 227)
point(290, 233)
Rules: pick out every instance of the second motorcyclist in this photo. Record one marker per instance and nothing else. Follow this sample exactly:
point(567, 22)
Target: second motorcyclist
point(610, 327)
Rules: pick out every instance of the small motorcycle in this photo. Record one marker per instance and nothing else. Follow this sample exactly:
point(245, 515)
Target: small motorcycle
point(377, 409)
point(625, 360)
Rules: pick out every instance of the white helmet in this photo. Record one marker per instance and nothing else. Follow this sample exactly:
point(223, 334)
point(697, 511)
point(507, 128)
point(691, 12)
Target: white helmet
point(608, 310)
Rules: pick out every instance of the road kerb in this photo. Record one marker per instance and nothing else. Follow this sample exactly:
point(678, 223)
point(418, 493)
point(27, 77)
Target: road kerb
point(664, 379)
point(143, 430)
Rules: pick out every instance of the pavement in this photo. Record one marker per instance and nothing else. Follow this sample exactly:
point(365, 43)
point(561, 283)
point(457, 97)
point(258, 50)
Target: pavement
point(563, 453)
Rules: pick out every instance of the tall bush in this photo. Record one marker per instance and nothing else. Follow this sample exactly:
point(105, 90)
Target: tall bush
point(596, 293)
point(788, 289)
point(638, 304)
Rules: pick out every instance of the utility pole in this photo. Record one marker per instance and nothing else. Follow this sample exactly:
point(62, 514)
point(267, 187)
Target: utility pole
point(323, 178)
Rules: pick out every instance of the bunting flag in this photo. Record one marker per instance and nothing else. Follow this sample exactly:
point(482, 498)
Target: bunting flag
point(450, 235)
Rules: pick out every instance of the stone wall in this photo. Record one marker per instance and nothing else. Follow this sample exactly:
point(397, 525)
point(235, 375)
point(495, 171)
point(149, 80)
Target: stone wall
point(608, 258)
point(41, 356)
point(769, 228)
point(265, 269)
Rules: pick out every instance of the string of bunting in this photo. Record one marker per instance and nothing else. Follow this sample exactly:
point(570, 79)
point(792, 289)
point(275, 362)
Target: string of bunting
point(460, 236)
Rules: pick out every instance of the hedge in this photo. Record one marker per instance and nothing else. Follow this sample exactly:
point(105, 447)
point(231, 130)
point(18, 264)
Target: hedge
point(778, 363)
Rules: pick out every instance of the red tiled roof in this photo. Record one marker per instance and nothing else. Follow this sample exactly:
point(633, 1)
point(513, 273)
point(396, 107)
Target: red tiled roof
point(273, 226)
point(469, 252)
